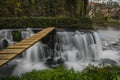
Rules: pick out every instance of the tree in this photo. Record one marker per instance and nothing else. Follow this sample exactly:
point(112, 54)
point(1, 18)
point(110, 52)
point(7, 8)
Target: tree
point(85, 6)
point(70, 7)
point(19, 8)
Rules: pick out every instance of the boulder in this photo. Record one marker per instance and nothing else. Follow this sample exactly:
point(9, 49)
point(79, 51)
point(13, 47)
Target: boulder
point(5, 43)
point(107, 61)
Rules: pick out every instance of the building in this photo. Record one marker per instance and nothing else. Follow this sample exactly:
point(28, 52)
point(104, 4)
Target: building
point(105, 8)
point(105, 1)
point(98, 1)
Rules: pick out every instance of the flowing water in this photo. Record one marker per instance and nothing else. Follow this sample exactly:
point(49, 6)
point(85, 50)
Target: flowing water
point(74, 49)
point(79, 49)
point(5, 37)
point(32, 58)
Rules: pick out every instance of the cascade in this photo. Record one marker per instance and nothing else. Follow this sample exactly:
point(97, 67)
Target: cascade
point(79, 49)
point(33, 58)
point(73, 49)
point(6, 38)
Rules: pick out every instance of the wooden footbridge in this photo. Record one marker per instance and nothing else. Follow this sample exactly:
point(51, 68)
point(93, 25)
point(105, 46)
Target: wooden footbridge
point(18, 48)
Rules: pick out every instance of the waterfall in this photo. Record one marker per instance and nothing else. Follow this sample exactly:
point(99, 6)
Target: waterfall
point(79, 42)
point(6, 38)
point(73, 49)
point(76, 48)
point(79, 49)
point(32, 59)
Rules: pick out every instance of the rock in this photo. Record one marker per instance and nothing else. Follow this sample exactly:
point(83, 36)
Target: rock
point(5, 43)
point(49, 61)
point(59, 60)
point(54, 62)
point(115, 44)
point(107, 61)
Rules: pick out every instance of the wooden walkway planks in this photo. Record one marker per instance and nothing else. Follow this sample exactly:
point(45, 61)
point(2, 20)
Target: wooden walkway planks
point(18, 46)
point(16, 49)
point(12, 51)
point(7, 56)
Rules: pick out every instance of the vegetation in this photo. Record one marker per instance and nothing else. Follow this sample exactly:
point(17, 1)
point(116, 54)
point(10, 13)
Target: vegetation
point(43, 13)
point(45, 8)
point(16, 36)
point(90, 73)
point(36, 22)
point(112, 22)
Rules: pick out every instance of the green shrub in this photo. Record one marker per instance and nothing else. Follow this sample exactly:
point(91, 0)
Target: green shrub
point(36, 22)
point(10, 78)
point(16, 36)
point(60, 73)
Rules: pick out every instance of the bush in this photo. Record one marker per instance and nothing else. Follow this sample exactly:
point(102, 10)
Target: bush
point(36, 22)
point(10, 78)
point(60, 73)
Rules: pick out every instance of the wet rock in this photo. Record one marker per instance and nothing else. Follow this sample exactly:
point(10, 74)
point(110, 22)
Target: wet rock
point(59, 60)
point(104, 48)
point(49, 61)
point(5, 43)
point(107, 61)
point(53, 62)
point(115, 44)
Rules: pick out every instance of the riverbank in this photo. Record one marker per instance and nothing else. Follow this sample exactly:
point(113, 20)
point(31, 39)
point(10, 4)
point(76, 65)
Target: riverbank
point(36, 22)
point(60, 73)
point(108, 23)
point(58, 22)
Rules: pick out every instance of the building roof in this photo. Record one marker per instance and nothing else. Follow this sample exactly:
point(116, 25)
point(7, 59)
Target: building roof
point(104, 1)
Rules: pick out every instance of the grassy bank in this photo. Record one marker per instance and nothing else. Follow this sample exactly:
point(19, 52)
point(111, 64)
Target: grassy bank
point(107, 23)
point(90, 73)
point(36, 22)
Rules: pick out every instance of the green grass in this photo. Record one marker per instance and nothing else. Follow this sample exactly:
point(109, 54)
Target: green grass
point(60, 73)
